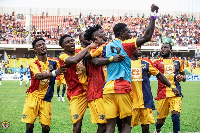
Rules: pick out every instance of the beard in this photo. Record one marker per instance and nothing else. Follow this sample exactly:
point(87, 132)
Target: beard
point(165, 55)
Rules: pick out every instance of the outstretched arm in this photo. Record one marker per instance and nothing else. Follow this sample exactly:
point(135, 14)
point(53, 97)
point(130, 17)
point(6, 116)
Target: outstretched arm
point(79, 57)
point(104, 61)
point(150, 29)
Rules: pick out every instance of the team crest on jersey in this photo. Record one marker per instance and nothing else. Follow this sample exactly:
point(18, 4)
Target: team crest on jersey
point(76, 116)
point(50, 67)
point(102, 116)
point(5, 124)
point(24, 116)
point(175, 63)
point(143, 66)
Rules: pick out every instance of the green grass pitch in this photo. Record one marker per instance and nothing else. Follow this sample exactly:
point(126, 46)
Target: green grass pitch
point(12, 98)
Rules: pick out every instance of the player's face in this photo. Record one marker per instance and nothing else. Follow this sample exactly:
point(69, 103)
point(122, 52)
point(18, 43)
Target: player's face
point(85, 42)
point(127, 33)
point(137, 52)
point(165, 50)
point(68, 44)
point(101, 34)
point(40, 47)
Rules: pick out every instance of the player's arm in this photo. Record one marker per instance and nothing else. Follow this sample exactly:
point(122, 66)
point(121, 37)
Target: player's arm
point(166, 82)
point(150, 29)
point(104, 61)
point(79, 56)
point(54, 73)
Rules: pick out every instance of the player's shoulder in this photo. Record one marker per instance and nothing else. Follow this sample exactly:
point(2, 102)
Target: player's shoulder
point(156, 60)
point(176, 59)
point(146, 60)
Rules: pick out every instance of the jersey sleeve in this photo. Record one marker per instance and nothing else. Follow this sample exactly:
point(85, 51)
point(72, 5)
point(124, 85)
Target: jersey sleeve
point(130, 46)
point(34, 68)
point(181, 66)
point(62, 58)
point(97, 52)
point(152, 69)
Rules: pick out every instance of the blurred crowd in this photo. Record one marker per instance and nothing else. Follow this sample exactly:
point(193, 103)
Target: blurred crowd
point(13, 29)
point(182, 30)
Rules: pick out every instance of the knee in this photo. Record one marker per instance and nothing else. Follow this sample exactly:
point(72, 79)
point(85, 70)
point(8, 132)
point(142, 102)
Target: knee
point(77, 127)
point(175, 118)
point(29, 126)
point(45, 128)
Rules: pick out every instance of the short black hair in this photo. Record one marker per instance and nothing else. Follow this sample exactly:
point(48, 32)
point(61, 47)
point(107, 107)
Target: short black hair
point(119, 28)
point(170, 45)
point(89, 32)
point(62, 38)
point(37, 39)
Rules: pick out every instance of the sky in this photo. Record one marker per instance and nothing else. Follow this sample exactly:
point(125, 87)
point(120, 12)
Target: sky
point(164, 5)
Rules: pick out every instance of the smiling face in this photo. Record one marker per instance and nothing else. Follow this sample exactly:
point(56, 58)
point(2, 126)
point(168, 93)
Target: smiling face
point(40, 48)
point(165, 50)
point(68, 44)
point(100, 33)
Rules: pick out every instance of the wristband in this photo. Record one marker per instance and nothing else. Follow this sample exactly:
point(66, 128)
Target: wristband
point(171, 87)
point(153, 15)
point(111, 59)
point(54, 73)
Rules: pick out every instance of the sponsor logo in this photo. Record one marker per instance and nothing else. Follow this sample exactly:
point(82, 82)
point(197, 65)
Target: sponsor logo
point(5, 124)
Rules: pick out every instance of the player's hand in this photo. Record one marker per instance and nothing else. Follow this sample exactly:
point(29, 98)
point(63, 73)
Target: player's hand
point(61, 70)
point(179, 78)
point(93, 45)
point(154, 8)
point(118, 58)
point(176, 91)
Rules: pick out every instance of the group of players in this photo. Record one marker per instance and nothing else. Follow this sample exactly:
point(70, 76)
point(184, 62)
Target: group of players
point(124, 96)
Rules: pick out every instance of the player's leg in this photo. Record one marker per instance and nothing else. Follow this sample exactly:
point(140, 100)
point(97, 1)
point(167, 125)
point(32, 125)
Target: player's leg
point(162, 110)
point(45, 128)
point(110, 126)
point(58, 88)
point(27, 82)
point(30, 112)
point(126, 124)
point(146, 118)
point(101, 128)
point(119, 124)
point(29, 128)
point(63, 92)
point(145, 128)
point(78, 105)
point(97, 113)
point(175, 106)
point(124, 102)
point(45, 112)
point(0, 81)
point(77, 126)
point(111, 116)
